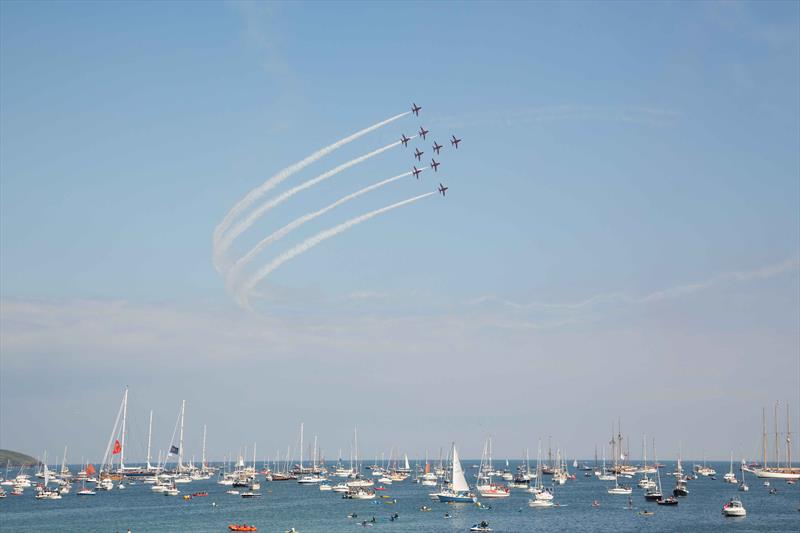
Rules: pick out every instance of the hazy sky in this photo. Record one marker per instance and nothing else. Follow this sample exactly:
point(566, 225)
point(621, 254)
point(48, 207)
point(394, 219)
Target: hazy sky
point(621, 237)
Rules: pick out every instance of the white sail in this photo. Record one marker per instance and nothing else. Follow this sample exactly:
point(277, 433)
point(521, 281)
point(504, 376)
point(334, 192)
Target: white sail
point(408, 467)
point(459, 481)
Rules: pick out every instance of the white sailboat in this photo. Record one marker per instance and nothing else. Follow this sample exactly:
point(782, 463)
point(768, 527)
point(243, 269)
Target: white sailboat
point(730, 477)
point(458, 492)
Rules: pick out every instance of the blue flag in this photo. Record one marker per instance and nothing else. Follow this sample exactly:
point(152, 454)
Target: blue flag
point(173, 449)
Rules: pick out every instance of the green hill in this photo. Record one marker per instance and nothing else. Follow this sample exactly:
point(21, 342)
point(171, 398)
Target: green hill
point(16, 458)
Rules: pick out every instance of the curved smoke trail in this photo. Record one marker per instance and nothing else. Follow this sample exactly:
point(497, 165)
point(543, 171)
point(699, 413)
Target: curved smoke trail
point(293, 225)
point(225, 242)
point(259, 191)
point(313, 241)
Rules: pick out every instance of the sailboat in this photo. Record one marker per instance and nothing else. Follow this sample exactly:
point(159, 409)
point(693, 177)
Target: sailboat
point(730, 477)
point(485, 487)
point(542, 498)
point(743, 485)
point(671, 500)
point(458, 492)
point(605, 475)
point(428, 477)
point(788, 471)
point(540, 494)
point(654, 493)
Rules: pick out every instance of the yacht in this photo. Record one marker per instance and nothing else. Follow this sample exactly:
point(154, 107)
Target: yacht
point(734, 508)
point(458, 492)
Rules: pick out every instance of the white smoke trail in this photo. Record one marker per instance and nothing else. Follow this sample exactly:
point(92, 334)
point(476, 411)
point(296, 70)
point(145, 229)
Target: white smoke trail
point(293, 225)
point(273, 181)
point(225, 242)
point(313, 241)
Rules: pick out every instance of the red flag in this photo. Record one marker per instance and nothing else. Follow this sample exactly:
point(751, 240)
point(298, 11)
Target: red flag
point(117, 448)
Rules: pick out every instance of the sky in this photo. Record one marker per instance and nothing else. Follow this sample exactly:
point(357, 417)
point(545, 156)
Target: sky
point(620, 238)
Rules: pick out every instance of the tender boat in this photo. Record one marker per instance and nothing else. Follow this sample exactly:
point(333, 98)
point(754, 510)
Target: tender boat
point(483, 526)
point(242, 527)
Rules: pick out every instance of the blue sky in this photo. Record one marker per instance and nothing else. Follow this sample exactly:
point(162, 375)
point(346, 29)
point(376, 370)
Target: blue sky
point(638, 159)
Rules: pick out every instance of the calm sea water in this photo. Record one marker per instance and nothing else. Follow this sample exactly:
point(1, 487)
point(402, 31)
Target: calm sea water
point(287, 504)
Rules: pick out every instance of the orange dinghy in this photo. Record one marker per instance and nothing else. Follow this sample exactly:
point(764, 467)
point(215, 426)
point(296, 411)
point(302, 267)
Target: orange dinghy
point(242, 527)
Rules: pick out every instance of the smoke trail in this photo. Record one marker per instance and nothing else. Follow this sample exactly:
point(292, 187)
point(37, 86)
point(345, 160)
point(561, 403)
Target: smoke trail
point(315, 240)
point(293, 225)
point(259, 191)
point(225, 242)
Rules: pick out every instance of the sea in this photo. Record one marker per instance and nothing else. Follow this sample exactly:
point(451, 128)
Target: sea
point(286, 504)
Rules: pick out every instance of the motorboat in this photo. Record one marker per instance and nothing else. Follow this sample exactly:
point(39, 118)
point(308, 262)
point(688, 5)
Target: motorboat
point(734, 508)
point(536, 503)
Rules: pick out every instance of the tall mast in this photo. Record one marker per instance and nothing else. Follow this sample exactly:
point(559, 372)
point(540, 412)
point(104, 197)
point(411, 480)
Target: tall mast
point(355, 449)
point(254, 455)
point(764, 435)
point(788, 440)
point(777, 459)
point(301, 446)
point(149, 438)
point(180, 440)
point(203, 458)
point(124, 416)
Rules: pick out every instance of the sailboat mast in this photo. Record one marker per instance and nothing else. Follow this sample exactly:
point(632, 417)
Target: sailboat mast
point(355, 451)
point(149, 438)
point(203, 458)
point(777, 459)
point(254, 455)
point(788, 439)
point(124, 417)
point(180, 439)
point(301, 446)
point(764, 435)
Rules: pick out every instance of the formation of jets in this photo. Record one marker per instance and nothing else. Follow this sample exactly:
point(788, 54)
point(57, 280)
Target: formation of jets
point(436, 148)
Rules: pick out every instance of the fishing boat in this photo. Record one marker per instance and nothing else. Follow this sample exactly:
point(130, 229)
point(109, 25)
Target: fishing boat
point(734, 508)
point(458, 491)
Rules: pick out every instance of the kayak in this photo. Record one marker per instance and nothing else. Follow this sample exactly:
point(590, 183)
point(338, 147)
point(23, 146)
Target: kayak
point(242, 527)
